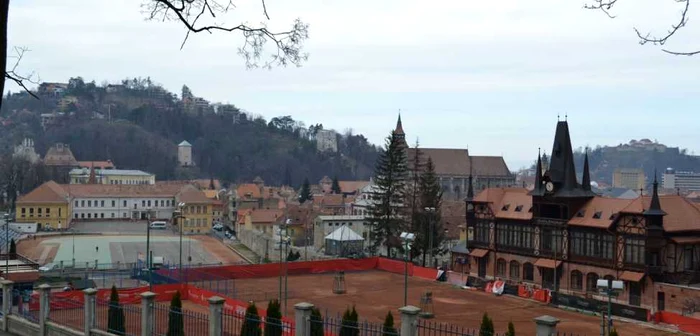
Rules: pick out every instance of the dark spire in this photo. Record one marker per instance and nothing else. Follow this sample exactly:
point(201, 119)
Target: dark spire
point(470, 187)
point(569, 176)
point(537, 191)
point(562, 171)
point(399, 126)
point(92, 179)
point(586, 180)
point(655, 205)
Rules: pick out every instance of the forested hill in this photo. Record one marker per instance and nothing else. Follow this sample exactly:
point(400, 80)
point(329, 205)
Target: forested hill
point(137, 124)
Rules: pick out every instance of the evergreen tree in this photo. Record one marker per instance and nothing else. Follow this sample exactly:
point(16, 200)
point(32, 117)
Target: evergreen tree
point(316, 322)
point(176, 323)
point(486, 328)
point(13, 248)
point(416, 165)
point(388, 329)
point(430, 194)
point(349, 324)
point(115, 314)
point(511, 329)
point(251, 324)
point(613, 332)
point(273, 321)
point(388, 197)
point(335, 187)
point(305, 193)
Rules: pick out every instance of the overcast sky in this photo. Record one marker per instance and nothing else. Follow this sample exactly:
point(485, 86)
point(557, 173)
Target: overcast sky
point(490, 76)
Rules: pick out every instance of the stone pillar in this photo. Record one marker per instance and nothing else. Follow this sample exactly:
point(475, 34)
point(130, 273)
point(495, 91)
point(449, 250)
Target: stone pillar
point(147, 299)
point(44, 306)
point(89, 309)
point(409, 320)
point(216, 308)
point(302, 317)
point(6, 301)
point(546, 325)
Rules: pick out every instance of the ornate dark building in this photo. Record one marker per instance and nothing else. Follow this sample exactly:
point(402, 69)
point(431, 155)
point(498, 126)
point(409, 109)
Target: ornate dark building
point(561, 236)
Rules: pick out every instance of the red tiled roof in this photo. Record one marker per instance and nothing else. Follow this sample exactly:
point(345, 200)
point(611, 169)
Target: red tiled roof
point(124, 190)
point(681, 213)
point(97, 164)
point(49, 192)
point(193, 197)
point(607, 207)
point(352, 186)
point(515, 204)
point(265, 216)
point(248, 190)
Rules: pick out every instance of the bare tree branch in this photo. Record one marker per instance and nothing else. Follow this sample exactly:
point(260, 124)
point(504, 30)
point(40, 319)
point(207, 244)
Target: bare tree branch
point(606, 5)
point(265, 9)
point(188, 12)
point(17, 78)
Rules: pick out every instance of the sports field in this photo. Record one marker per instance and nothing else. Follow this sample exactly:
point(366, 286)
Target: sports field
point(374, 293)
point(112, 249)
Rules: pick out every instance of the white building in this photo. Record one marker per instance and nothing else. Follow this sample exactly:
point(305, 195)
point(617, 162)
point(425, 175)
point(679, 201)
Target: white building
point(112, 176)
point(326, 141)
point(99, 201)
point(679, 180)
point(325, 225)
point(26, 150)
point(184, 154)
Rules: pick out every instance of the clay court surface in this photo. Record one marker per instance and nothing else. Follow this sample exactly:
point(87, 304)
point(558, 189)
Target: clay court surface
point(125, 249)
point(374, 293)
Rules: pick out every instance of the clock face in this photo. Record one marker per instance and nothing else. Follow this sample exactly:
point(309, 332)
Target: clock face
point(549, 186)
point(470, 207)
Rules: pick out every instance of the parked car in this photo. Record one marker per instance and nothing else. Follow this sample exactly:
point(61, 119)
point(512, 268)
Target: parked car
point(48, 267)
point(218, 227)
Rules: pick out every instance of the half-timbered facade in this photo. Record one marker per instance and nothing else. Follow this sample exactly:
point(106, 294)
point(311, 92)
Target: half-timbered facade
point(563, 237)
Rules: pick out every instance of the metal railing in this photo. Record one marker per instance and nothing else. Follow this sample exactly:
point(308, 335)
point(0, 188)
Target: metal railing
point(234, 322)
point(67, 312)
point(128, 316)
point(336, 326)
point(430, 328)
point(189, 322)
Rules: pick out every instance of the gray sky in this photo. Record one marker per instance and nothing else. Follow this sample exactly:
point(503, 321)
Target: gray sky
point(488, 75)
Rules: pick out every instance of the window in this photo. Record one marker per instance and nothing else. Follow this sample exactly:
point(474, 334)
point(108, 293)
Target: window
point(518, 208)
point(634, 250)
point(598, 214)
point(113, 214)
point(102, 215)
point(102, 203)
point(591, 282)
point(38, 211)
point(528, 272)
point(31, 211)
point(162, 203)
point(482, 232)
point(48, 212)
point(124, 204)
point(124, 215)
point(75, 216)
point(551, 239)
point(576, 280)
point(505, 207)
point(95, 215)
point(143, 203)
point(501, 268)
point(24, 211)
point(591, 244)
point(149, 202)
point(688, 258)
point(89, 215)
point(89, 203)
point(581, 213)
point(76, 204)
point(82, 203)
point(114, 203)
point(59, 212)
point(514, 270)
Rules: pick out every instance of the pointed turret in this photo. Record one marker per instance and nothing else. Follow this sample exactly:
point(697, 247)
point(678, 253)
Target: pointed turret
point(399, 133)
point(586, 180)
point(562, 171)
point(537, 190)
point(399, 126)
point(655, 205)
point(92, 179)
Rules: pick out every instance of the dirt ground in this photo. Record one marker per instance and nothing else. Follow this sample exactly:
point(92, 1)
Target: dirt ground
point(217, 249)
point(374, 293)
point(31, 249)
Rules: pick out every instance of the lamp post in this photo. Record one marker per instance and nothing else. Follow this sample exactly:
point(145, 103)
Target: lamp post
point(610, 288)
point(7, 244)
point(148, 250)
point(284, 241)
point(178, 214)
point(430, 211)
point(406, 238)
point(73, 231)
point(449, 246)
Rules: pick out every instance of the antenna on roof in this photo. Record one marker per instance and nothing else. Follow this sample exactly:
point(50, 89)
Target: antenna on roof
point(566, 117)
point(557, 116)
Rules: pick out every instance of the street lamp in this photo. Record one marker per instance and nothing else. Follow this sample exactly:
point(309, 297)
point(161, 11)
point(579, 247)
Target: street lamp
point(7, 245)
point(407, 238)
point(610, 288)
point(284, 241)
point(178, 214)
point(148, 250)
point(449, 245)
point(430, 211)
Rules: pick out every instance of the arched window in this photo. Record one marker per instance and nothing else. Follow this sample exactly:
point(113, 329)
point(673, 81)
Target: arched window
point(591, 282)
point(576, 280)
point(514, 270)
point(501, 268)
point(528, 272)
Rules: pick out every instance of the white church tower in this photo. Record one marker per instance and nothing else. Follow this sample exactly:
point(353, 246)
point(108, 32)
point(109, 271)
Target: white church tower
point(184, 154)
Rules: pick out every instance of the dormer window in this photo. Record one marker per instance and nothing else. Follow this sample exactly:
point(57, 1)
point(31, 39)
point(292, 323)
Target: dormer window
point(530, 210)
point(613, 216)
point(598, 214)
point(518, 208)
point(581, 213)
point(505, 207)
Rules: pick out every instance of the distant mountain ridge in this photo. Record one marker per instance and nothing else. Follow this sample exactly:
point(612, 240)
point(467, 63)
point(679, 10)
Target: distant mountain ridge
point(138, 124)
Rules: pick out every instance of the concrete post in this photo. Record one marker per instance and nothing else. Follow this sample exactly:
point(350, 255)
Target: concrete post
point(6, 301)
point(89, 309)
point(409, 320)
point(147, 299)
point(216, 308)
point(44, 306)
point(546, 325)
point(302, 318)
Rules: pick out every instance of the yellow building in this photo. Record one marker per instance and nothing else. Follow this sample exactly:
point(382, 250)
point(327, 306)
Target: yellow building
point(198, 211)
point(629, 178)
point(48, 205)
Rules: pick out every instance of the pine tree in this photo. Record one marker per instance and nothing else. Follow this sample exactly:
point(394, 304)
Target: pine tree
point(511, 329)
point(251, 324)
point(316, 322)
point(430, 194)
point(305, 193)
point(13, 248)
point(388, 329)
point(486, 326)
point(613, 332)
point(273, 321)
point(388, 197)
point(335, 187)
point(349, 324)
point(176, 323)
point(115, 314)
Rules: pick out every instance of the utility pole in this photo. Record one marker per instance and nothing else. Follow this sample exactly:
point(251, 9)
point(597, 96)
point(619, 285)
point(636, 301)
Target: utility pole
point(430, 211)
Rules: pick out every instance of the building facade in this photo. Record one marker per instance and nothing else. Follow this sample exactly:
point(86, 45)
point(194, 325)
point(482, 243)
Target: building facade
point(325, 225)
point(111, 176)
point(680, 180)
point(563, 237)
point(48, 205)
point(198, 210)
point(326, 141)
point(629, 178)
point(184, 154)
point(454, 166)
point(26, 150)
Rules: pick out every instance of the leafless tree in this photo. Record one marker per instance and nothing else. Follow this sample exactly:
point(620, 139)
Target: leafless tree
point(191, 13)
point(607, 5)
point(13, 75)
